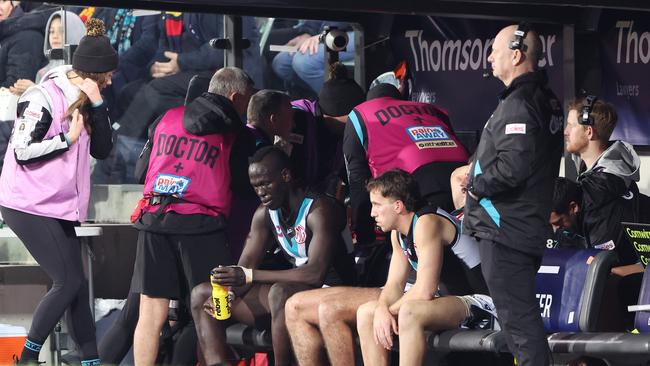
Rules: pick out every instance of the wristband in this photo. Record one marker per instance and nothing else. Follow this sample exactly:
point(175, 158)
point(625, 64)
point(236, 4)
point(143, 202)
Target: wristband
point(248, 272)
point(67, 139)
point(98, 103)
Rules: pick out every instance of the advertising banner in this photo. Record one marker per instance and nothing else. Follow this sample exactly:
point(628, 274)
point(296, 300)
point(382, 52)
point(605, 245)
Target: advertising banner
point(447, 58)
point(625, 56)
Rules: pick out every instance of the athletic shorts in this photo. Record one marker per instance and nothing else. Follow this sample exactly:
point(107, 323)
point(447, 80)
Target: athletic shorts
point(169, 265)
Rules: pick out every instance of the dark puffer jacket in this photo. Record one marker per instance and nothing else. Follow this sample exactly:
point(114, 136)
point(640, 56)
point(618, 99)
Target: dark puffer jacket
point(21, 49)
point(517, 161)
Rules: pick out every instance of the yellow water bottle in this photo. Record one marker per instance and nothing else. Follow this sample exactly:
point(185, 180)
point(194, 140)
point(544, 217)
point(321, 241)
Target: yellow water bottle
point(220, 301)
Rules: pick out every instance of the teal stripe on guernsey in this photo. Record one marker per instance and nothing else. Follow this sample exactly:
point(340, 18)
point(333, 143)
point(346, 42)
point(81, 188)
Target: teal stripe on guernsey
point(491, 210)
point(303, 206)
point(477, 168)
point(415, 219)
point(301, 213)
point(93, 362)
point(357, 125)
point(33, 346)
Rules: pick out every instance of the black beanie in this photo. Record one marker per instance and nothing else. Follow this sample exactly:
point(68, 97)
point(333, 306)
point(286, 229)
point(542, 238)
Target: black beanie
point(340, 94)
point(94, 53)
point(383, 90)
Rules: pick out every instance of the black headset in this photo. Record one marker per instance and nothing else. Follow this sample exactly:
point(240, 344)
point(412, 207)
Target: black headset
point(587, 106)
point(517, 43)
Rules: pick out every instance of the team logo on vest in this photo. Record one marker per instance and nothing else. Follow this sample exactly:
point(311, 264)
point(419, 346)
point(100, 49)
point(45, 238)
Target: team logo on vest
point(171, 184)
point(427, 137)
point(301, 234)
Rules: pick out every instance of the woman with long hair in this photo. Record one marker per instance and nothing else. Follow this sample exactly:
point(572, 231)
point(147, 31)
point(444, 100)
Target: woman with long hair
point(45, 183)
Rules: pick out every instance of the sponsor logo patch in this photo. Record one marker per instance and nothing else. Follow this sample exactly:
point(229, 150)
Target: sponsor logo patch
point(33, 114)
point(427, 137)
point(516, 129)
point(171, 184)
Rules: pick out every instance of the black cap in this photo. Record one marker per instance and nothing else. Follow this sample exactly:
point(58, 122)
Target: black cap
point(340, 94)
point(94, 53)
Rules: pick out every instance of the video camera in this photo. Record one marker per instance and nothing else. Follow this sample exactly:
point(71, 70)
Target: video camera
point(335, 41)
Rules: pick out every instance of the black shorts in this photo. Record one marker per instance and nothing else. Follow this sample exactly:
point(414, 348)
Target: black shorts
point(170, 265)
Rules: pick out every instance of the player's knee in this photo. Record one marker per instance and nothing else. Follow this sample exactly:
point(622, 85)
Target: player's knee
point(199, 295)
point(407, 317)
point(292, 308)
point(365, 315)
point(329, 311)
point(279, 293)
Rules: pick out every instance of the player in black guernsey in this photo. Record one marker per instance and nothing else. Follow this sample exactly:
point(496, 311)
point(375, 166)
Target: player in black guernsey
point(310, 230)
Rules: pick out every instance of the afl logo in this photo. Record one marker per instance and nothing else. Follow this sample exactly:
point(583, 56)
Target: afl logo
point(301, 235)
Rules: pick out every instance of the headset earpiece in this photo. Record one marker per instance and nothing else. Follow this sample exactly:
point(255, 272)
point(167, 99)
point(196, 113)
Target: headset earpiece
point(587, 106)
point(517, 42)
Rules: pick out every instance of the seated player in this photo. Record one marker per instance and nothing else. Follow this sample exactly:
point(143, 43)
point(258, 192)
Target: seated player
point(325, 318)
point(309, 229)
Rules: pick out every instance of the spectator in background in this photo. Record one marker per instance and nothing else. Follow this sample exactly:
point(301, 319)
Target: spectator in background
point(135, 38)
point(305, 69)
point(20, 47)
point(183, 51)
point(35, 16)
point(54, 39)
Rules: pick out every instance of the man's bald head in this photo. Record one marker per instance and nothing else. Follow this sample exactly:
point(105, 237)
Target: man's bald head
point(507, 64)
point(532, 46)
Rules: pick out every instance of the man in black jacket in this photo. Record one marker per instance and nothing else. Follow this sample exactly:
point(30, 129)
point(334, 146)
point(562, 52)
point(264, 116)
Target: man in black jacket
point(608, 175)
point(507, 208)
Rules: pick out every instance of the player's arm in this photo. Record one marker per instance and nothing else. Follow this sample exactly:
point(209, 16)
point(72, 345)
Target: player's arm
point(398, 272)
point(384, 323)
point(429, 234)
point(256, 241)
point(252, 254)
